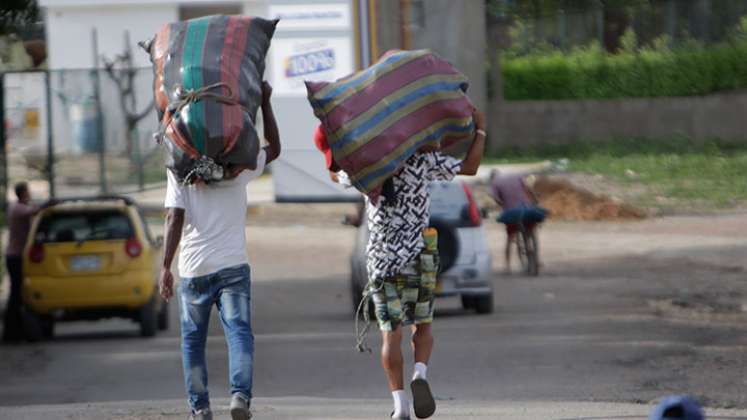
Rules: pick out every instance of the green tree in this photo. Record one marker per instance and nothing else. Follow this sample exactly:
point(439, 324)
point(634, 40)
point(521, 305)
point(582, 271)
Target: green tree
point(17, 15)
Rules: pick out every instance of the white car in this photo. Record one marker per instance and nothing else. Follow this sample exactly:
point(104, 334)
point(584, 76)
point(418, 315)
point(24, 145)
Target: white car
point(462, 246)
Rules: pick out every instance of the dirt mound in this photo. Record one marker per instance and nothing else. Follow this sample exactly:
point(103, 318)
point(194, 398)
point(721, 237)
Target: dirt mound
point(566, 201)
point(569, 202)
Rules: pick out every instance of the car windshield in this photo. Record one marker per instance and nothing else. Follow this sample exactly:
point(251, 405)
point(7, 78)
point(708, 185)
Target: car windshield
point(447, 200)
point(83, 226)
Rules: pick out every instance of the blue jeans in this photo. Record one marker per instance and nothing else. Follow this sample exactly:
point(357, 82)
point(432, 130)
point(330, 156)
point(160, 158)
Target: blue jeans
point(230, 291)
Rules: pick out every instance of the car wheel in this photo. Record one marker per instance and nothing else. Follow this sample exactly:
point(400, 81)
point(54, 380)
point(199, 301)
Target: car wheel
point(32, 326)
point(484, 304)
point(163, 317)
point(148, 319)
point(448, 245)
point(468, 302)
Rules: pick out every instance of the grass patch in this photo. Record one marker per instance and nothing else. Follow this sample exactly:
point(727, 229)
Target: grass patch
point(677, 172)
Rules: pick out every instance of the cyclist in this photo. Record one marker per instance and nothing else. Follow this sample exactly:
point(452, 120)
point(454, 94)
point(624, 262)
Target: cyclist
point(519, 205)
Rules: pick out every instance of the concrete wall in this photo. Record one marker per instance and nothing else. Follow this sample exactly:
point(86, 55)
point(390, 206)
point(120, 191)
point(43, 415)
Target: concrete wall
point(69, 31)
point(453, 29)
point(456, 30)
point(69, 24)
point(531, 123)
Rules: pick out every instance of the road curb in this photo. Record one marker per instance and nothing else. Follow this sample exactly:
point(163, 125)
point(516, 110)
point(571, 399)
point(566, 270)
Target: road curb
point(351, 409)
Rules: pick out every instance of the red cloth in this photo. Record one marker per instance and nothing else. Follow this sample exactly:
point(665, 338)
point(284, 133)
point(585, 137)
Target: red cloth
point(320, 139)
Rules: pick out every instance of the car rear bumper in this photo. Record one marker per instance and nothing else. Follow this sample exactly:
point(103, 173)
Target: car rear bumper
point(127, 291)
point(467, 279)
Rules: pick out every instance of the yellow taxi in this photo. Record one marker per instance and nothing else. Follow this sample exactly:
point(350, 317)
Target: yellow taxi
point(91, 258)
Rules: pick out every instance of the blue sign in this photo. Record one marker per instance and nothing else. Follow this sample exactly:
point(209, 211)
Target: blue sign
point(308, 63)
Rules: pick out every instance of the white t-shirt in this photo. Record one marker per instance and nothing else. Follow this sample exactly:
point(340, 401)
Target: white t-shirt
point(213, 236)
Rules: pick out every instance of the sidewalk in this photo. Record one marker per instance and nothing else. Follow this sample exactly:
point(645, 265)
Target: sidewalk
point(348, 409)
point(261, 191)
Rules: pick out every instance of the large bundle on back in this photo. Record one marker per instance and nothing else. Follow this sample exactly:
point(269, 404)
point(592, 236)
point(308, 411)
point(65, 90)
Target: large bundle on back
point(377, 118)
point(208, 86)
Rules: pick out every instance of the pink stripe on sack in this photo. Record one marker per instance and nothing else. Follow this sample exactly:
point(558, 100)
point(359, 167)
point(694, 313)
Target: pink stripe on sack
point(231, 56)
point(160, 45)
point(385, 86)
point(377, 148)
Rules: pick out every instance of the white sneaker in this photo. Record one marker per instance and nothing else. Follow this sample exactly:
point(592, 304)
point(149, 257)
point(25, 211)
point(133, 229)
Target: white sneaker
point(204, 414)
point(240, 408)
point(399, 418)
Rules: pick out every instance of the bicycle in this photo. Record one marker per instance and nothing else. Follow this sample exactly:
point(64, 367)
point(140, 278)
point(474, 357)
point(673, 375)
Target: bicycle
point(524, 221)
point(527, 248)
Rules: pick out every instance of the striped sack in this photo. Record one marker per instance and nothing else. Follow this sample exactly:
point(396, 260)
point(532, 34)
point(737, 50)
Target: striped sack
point(208, 86)
point(380, 116)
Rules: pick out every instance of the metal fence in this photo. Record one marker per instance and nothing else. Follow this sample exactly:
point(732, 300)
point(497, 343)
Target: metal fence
point(565, 24)
point(66, 133)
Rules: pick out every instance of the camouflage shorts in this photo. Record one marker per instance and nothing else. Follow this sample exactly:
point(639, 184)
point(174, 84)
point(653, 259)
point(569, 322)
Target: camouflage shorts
point(407, 298)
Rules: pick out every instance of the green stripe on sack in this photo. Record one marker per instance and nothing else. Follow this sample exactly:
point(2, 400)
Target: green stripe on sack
point(393, 97)
point(369, 186)
point(394, 119)
point(413, 140)
point(192, 79)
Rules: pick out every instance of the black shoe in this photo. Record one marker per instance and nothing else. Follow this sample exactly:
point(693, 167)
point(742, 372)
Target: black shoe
point(422, 399)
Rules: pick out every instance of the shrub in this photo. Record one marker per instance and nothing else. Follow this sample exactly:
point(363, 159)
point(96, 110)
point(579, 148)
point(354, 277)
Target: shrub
point(591, 73)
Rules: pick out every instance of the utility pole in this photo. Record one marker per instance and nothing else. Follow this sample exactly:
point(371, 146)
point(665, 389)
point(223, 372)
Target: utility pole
point(100, 115)
point(50, 135)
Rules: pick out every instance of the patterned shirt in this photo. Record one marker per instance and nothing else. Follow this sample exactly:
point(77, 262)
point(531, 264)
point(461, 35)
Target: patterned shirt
point(396, 229)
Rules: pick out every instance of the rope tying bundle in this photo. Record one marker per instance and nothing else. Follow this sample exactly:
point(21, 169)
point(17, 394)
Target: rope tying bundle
point(205, 168)
point(361, 337)
point(187, 97)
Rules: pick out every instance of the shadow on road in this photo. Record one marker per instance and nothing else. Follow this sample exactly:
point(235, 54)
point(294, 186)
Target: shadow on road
point(638, 417)
point(95, 336)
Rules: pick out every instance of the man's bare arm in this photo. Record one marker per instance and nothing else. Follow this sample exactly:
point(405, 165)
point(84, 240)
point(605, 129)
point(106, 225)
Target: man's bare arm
point(272, 134)
point(471, 162)
point(174, 225)
point(31, 209)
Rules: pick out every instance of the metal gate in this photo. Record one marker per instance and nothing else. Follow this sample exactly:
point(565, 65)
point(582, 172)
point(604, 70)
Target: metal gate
point(64, 133)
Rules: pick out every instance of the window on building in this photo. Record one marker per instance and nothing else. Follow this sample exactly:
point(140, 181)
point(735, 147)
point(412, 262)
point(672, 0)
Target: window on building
point(187, 12)
point(417, 14)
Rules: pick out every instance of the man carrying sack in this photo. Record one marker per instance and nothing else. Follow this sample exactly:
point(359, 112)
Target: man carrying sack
point(383, 132)
point(402, 262)
point(209, 220)
point(208, 86)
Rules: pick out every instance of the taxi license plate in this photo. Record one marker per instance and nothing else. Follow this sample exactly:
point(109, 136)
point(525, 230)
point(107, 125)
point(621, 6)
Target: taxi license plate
point(85, 263)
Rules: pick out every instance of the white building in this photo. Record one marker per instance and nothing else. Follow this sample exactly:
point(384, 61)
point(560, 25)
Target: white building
point(69, 24)
point(306, 27)
point(344, 33)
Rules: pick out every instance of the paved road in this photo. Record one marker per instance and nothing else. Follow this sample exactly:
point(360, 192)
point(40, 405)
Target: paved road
point(350, 409)
point(624, 313)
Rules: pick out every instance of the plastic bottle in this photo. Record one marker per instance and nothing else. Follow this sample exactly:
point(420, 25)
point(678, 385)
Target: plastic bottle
point(430, 236)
